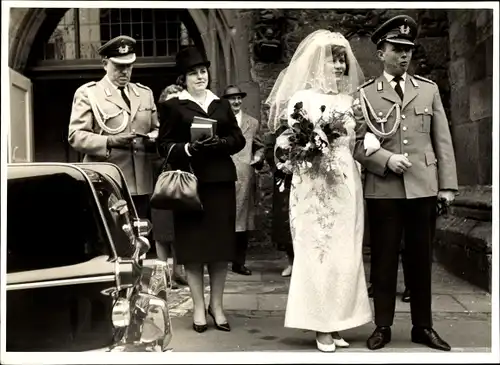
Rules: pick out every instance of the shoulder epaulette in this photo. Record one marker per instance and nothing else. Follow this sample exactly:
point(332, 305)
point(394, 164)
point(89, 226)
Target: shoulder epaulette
point(423, 79)
point(366, 83)
point(90, 84)
point(142, 86)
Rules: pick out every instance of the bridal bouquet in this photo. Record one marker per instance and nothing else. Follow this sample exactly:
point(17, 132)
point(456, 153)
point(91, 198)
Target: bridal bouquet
point(306, 145)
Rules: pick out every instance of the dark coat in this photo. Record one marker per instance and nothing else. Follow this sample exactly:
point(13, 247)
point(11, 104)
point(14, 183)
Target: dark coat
point(176, 116)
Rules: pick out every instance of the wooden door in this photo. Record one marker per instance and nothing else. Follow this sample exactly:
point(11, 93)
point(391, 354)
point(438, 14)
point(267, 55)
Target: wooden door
point(20, 132)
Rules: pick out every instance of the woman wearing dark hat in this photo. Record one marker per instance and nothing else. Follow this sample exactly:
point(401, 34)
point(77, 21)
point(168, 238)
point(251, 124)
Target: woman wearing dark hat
point(206, 237)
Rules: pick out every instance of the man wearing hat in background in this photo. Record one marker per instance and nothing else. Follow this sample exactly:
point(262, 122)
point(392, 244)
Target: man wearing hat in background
point(114, 120)
point(251, 157)
point(412, 168)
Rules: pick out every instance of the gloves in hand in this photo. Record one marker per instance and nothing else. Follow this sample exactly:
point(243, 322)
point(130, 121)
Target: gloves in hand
point(198, 146)
point(371, 143)
point(214, 142)
point(120, 140)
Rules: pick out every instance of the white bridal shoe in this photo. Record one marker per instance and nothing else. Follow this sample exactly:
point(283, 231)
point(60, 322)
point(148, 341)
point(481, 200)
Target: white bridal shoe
point(287, 271)
point(339, 342)
point(324, 347)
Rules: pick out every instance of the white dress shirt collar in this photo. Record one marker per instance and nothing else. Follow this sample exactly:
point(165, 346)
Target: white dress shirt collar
point(239, 117)
point(390, 80)
point(185, 95)
point(116, 87)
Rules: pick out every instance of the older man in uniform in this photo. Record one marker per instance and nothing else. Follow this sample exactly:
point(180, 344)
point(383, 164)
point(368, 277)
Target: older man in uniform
point(412, 169)
point(114, 120)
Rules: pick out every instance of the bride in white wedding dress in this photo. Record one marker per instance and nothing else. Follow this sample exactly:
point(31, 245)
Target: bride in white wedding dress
point(328, 290)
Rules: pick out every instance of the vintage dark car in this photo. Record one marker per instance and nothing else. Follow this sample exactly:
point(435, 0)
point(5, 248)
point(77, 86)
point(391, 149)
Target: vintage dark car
point(76, 274)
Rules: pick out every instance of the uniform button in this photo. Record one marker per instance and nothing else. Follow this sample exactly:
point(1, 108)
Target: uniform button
point(403, 116)
point(405, 128)
point(380, 114)
point(405, 141)
point(133, 130)
point(405, 154)
point(426, 110)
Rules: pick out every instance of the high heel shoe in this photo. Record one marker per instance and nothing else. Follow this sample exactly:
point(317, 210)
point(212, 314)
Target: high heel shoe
point(339, 341)
point(200, 328)
point(221, 327)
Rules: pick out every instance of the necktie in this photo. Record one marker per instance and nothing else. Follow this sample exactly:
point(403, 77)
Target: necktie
point(124, 96)
point(398, 88)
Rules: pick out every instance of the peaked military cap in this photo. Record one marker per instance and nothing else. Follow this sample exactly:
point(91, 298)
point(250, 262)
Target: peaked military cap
point(119, 50)
point(401, 29)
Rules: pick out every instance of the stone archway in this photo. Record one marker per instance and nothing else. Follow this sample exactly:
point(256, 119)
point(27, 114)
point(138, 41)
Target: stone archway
point(224, 37)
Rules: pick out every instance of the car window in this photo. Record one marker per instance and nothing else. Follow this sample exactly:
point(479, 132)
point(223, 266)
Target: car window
point(108, 194)
point(51, 222)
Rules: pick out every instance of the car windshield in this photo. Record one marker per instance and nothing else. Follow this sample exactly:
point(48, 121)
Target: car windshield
point(52, 221)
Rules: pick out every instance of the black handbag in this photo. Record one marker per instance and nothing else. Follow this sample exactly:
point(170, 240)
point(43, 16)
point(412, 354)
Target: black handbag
point(176, 189)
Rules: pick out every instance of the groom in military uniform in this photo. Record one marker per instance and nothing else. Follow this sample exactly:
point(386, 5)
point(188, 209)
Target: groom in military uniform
point(114, 120)
point(412, 168)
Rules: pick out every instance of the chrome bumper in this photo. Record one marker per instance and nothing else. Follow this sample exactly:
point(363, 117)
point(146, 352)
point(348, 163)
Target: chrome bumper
point(150, 327)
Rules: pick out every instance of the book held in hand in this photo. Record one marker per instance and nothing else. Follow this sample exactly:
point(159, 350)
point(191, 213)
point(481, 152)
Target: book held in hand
point(203, 128)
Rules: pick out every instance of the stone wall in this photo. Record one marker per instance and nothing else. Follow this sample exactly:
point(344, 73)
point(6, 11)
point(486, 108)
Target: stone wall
point(464, 237)
point(430, 60)
point(471, 83)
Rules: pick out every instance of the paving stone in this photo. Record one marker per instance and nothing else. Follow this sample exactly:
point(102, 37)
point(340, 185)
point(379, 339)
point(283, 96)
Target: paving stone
point(475, 302)
point(276, 287)
point(446, 303)
point(256, 276)
point(274, 276)
point(244, 287)
point(240, 301)
point(272, 302)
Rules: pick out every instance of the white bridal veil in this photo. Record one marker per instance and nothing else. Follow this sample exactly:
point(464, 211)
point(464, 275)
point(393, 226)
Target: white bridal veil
point(311, 67)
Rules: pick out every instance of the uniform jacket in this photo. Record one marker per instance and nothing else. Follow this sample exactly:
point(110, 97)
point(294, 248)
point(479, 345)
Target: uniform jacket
point(246, 186)
point(423, 136)
point(86, 136)
point(176, 116)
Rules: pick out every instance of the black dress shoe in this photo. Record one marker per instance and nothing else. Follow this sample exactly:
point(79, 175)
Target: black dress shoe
point(406, 296)
point(241, 269)
point(370, 291)
point(221, 327)
point(429, 337)
point(379, 338)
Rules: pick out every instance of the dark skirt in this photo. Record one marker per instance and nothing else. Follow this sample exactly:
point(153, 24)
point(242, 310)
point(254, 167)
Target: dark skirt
point(208, 236)
point(163, 225)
